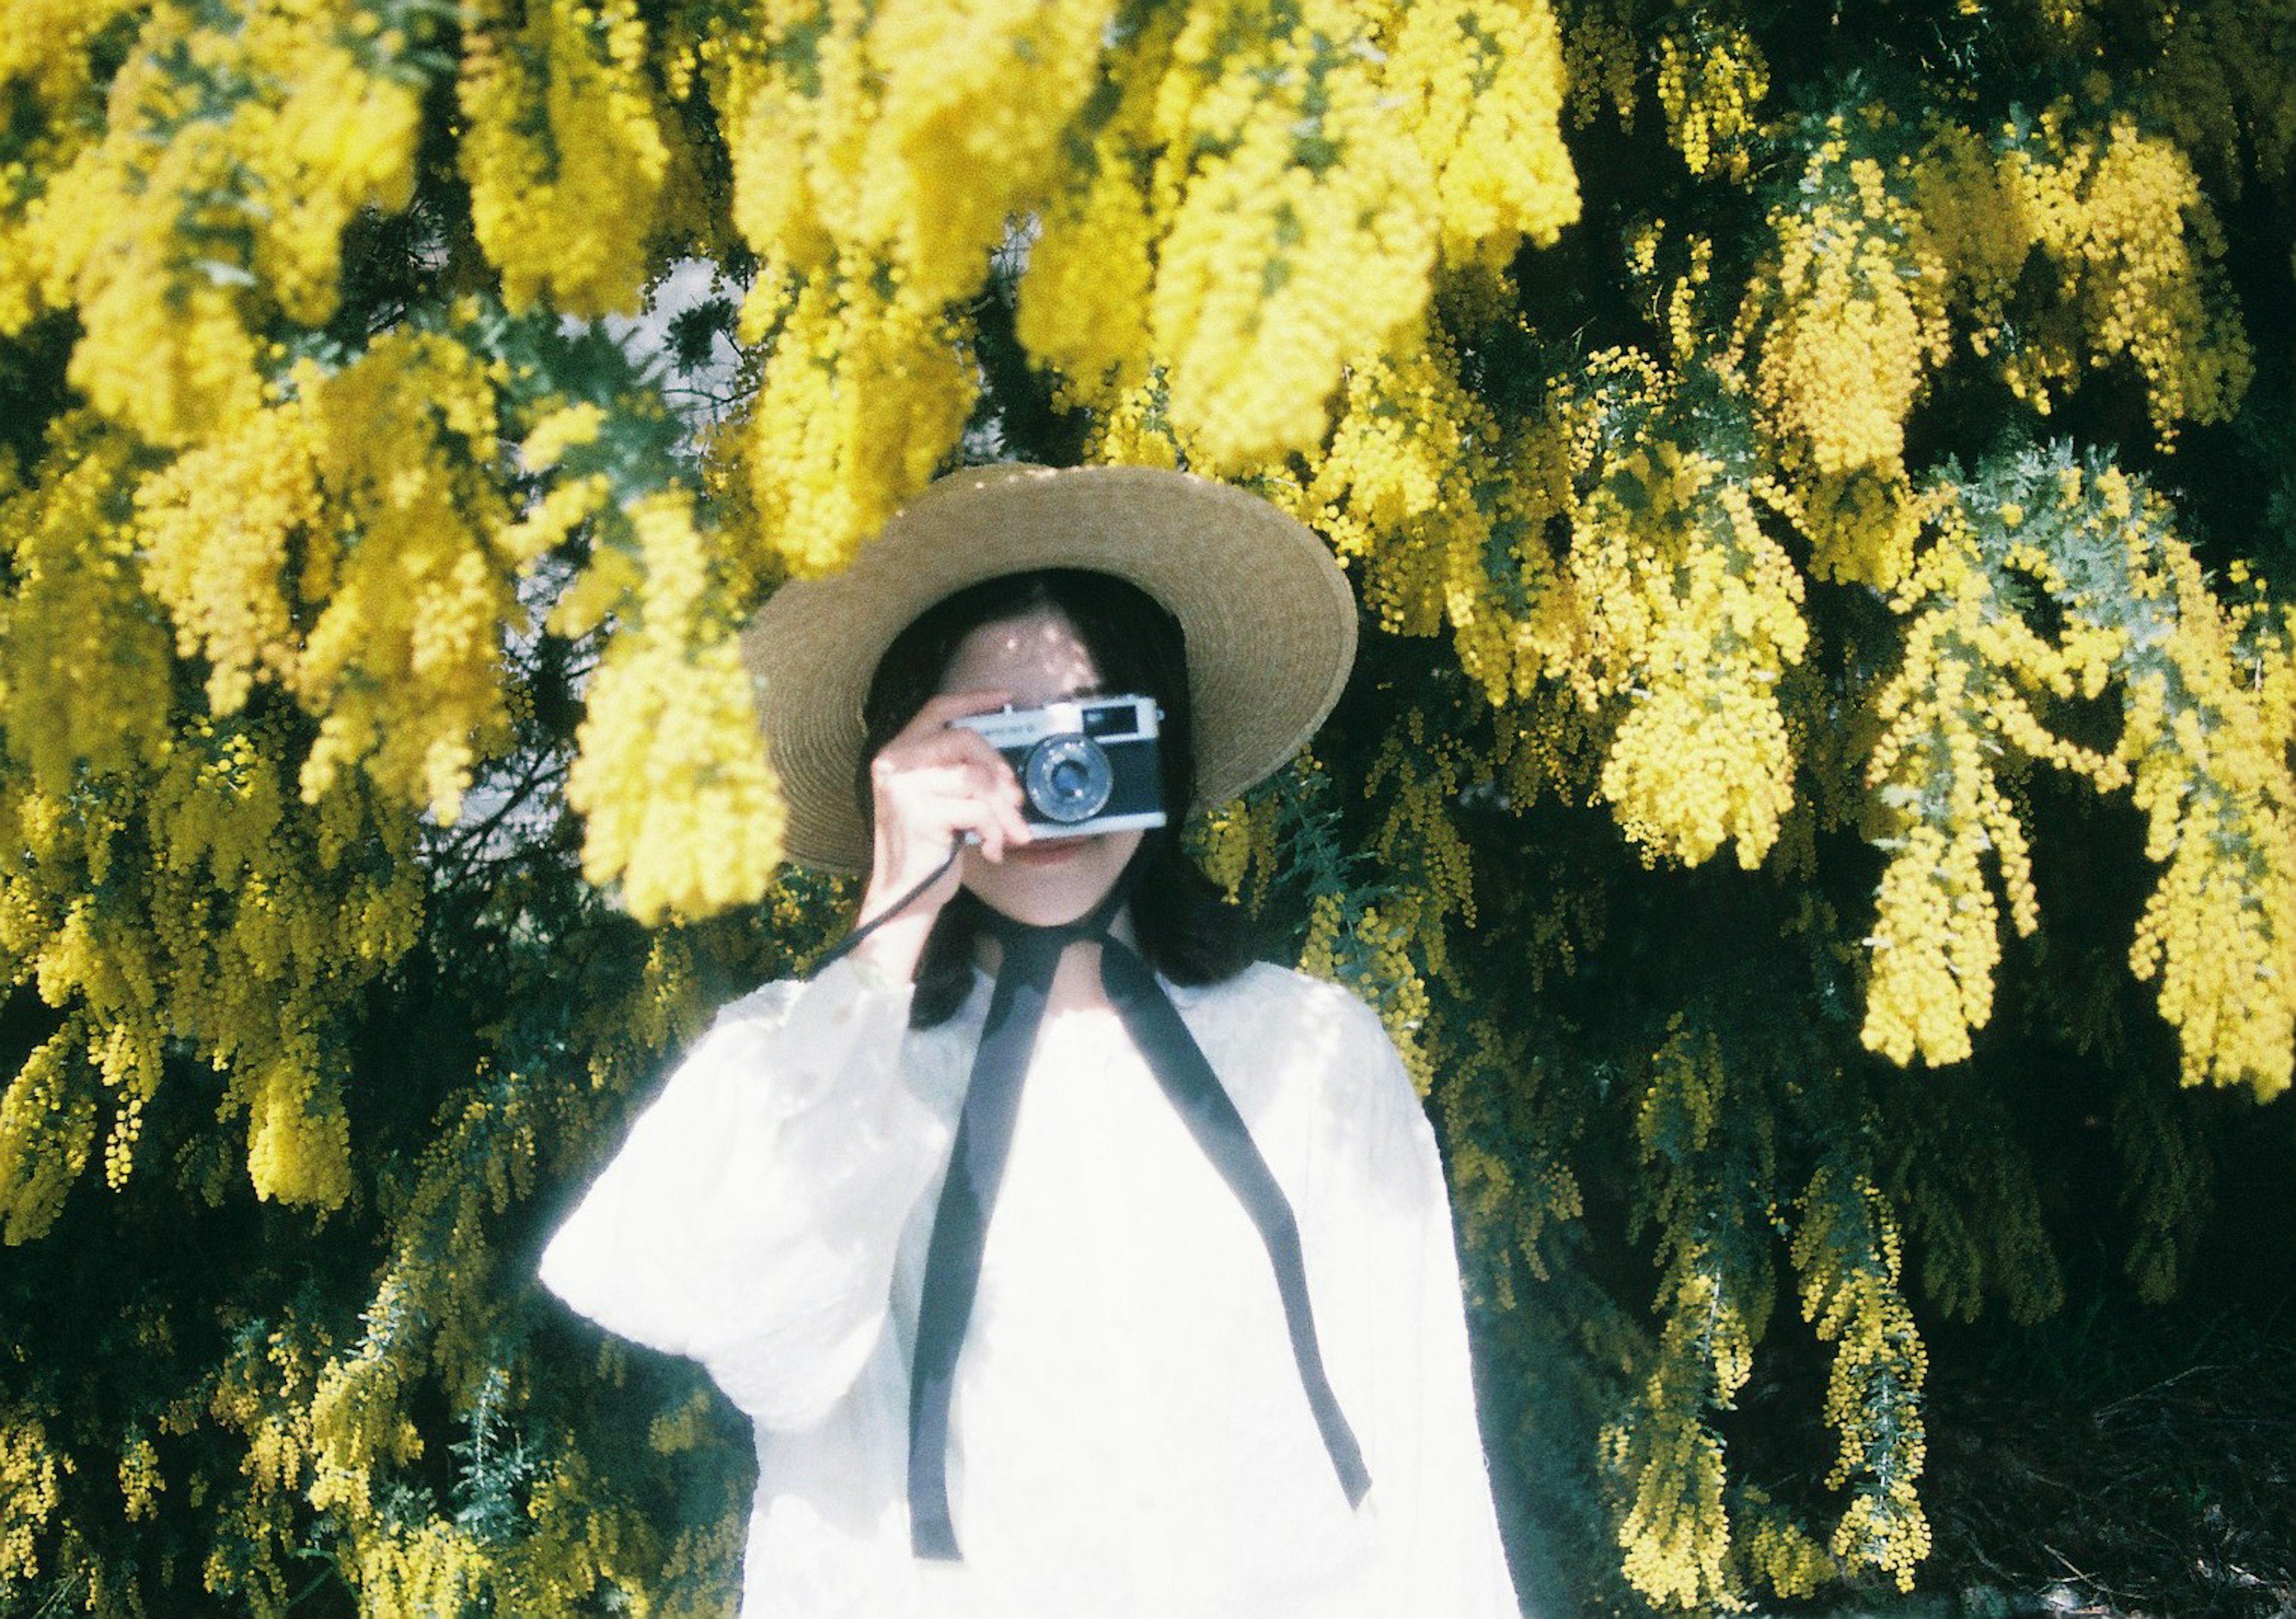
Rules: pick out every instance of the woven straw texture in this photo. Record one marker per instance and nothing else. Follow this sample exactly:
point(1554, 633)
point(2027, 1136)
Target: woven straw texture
point(1269, 621)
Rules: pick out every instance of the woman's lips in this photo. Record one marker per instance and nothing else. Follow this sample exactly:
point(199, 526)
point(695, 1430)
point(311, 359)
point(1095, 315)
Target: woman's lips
point(1051, 853)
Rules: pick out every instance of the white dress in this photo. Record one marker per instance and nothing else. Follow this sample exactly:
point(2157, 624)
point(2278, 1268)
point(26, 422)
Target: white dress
point(1128, 1435)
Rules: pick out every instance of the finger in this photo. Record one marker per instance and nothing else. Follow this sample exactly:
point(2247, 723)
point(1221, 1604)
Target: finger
point(941, 748)
point(956, 801)
point(957, 743)
point(922, 792)
point(982, 820)
point(1016, 824)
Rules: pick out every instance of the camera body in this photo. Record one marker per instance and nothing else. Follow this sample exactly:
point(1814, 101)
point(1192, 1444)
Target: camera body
point(1086, 764)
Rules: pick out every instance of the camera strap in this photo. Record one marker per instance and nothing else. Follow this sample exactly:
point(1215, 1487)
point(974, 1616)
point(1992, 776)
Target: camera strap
point(984, 1140)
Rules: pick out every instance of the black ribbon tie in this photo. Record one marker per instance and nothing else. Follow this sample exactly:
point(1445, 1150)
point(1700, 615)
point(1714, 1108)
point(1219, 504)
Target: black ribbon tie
point(984, 1140)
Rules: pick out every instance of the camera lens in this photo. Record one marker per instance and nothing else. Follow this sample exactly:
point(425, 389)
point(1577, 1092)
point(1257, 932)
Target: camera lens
point(1068, 779)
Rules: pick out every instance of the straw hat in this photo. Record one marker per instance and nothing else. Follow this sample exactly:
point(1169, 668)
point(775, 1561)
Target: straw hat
point(1268, 619)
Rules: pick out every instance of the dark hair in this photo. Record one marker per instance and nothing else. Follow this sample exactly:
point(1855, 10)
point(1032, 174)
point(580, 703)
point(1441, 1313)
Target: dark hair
point(1187, 929)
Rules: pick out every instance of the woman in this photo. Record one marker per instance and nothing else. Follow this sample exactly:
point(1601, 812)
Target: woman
point(1053, 1284)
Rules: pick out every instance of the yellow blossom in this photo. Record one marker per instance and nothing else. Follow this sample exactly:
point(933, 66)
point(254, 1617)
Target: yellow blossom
point(865, 395)
point(1711, 79)
point(1482, 85)
point(671, 778)
point(363, 479)
point(1281, 263)
point(31, 1473)
point(565, 150)
point(84, 661)
point(231, 164)
point(1693, 614)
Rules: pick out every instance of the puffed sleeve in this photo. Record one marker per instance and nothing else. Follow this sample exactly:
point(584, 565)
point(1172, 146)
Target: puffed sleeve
point(750, 1221)
point(1435, 1525)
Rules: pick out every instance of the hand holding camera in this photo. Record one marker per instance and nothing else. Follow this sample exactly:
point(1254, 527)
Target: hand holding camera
point(933, 785)
point(968, 768)
point(1085, 765)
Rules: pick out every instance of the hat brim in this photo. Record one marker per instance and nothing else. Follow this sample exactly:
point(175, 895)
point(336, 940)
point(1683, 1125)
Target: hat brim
point(1267, 616)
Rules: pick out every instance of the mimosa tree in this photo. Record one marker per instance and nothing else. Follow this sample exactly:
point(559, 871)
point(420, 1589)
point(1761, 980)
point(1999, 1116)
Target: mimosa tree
point(1818, 481)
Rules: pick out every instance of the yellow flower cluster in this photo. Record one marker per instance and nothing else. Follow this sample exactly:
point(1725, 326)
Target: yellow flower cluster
point(1545, 748)
point(1846, 356)
point(576, 1545)
point(1693, 614)
point(1847, 1256)
point(348, 544)
point(679, 803)
point(47, 1122)
point(1965, 218)
point(1850, 314)
point(1957, 703)
point(904, 134)
point(357, 1414)
point(215, 200)
point(2203, 691)
point(2220, 87)
point(867, 390)
point(1482, 85)
point(676, 1432)
point(1418, 842)
point(1355, 945)
point(261, 1393)
point(1711, 78)
point(1896, 241)
point(1292, 245)
point(215, 529)
point(2208, 749)
point(84, 661)
point(29, 1470)
point(565, 149)
point(1273, 190)
point(196, 899)
point(1093, 262)
point(1675, 1531)
point(428, 1567)
point(1136, 428)
point(1235, 844)
point(1440, 512)
point(1508, 1203)
point(44, 46)
point(2096, 203)
point(164, 890)
point(1864, 525)
point(434, 1312)
point(878, 153)
point(45, 62)
point(1301, 172)
point(250, 886)
point(1776, 1548)
point(1936, 940)
point(1601, 61)
point(1386, 971)
point(696, 1570)
point(299, 1138)
point(141, 1481)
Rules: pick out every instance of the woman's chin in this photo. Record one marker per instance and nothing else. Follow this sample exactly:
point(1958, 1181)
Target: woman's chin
point(1050, 883)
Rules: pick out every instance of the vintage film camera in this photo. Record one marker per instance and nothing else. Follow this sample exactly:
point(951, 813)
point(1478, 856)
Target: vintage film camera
point(1086, 764)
